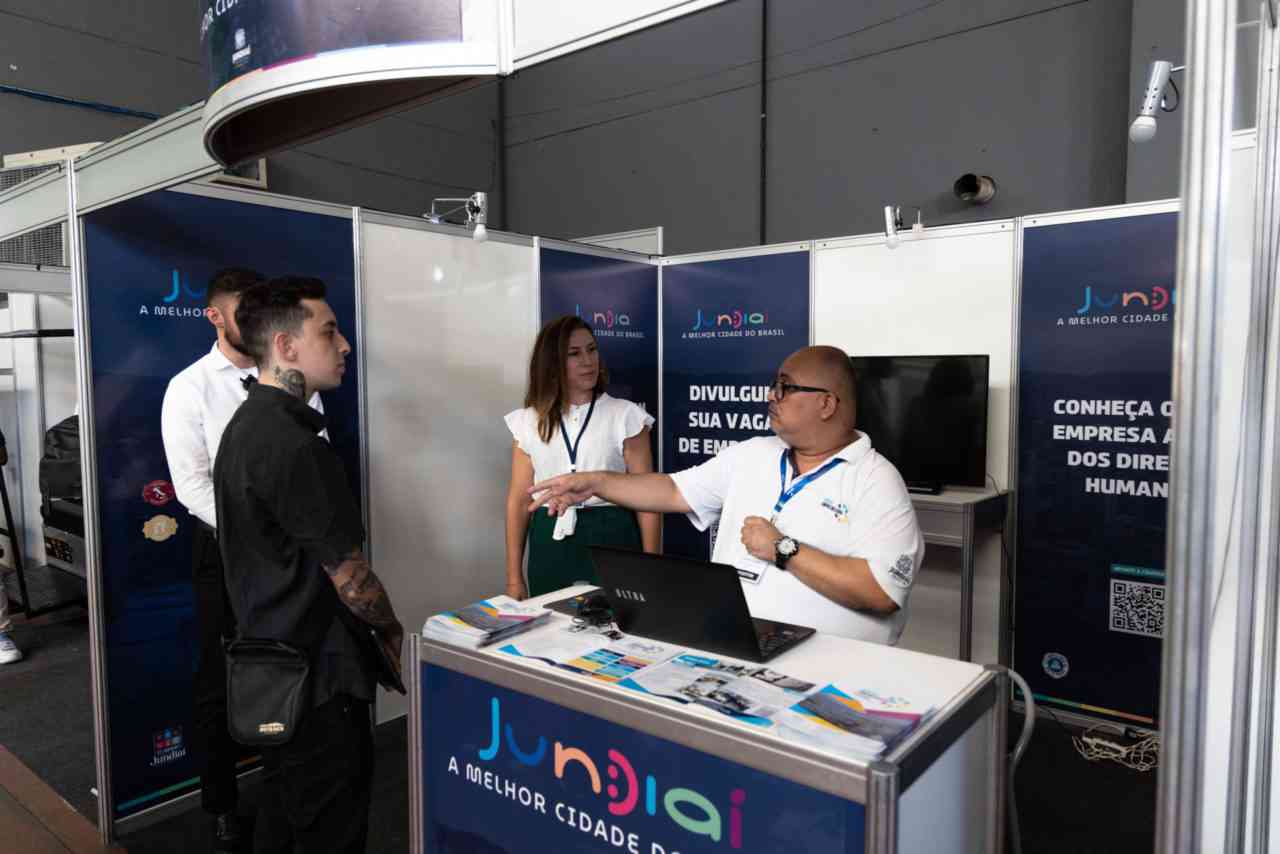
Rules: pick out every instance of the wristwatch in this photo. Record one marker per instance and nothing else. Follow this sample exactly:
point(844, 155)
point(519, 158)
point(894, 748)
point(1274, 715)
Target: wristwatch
point(783, 549)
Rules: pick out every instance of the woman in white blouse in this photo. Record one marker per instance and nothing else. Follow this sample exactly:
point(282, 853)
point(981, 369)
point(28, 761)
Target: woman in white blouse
point(569, 424)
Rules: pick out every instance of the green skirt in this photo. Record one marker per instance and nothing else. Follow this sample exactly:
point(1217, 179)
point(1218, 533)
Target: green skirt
point(554, 564)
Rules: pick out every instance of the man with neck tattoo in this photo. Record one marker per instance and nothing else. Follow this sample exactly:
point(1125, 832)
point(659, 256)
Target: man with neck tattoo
point(819, 526)
point(198, 403)
point(291, 536)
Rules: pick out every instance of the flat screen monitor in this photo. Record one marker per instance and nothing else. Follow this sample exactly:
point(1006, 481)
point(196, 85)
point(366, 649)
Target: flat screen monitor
point(927, 415)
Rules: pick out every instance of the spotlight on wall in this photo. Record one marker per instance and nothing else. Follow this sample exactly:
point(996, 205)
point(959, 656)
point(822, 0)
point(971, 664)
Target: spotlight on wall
point(476, 208)
point(1159, 77)
point(975, 189)
point(892, 222)
point(893, 226)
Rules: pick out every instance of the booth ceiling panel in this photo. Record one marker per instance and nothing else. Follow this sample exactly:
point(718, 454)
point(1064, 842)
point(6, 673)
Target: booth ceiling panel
point(33, 204)
point(25, 279)
point(162, 154)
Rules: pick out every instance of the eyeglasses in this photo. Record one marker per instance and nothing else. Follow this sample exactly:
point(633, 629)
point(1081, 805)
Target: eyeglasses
point(781, 390)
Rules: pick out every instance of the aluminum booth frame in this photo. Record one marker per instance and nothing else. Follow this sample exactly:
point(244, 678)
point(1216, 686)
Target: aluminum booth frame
point(170, 152)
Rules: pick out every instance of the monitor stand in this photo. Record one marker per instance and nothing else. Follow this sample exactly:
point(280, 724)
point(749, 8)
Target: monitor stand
point(920, 487)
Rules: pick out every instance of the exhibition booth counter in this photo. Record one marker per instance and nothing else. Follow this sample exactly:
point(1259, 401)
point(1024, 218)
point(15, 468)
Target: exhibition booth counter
point(597, 741)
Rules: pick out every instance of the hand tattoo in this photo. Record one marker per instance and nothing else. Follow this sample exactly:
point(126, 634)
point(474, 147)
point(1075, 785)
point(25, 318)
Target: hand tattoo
point(292, 381)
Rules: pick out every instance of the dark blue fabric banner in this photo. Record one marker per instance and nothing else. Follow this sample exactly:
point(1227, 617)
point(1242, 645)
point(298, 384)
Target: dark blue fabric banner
point(727, 327)
point(148, 261)
point(506, 773)
point(1094, 409)
point(619, 301)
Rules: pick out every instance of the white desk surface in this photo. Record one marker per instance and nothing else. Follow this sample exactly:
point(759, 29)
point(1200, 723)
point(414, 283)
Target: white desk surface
point(957, 495)
point(926, 680)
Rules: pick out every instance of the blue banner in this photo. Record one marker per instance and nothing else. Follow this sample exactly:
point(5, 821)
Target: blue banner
point(1096, 339)
point(506, 773)
point(148, 261)
point(619, 301)
point(727, 327)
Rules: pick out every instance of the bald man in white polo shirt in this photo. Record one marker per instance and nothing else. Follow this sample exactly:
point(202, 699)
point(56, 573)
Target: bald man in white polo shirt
point(826, 535)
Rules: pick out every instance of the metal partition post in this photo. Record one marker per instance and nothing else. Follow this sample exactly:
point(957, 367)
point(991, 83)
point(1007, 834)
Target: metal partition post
point(999, 783)
point(89, 479)
point(1255, 429)
point(882, 808)
point(362, 377)
point(1189, 543)
point(415, 744)
point(1266, 560)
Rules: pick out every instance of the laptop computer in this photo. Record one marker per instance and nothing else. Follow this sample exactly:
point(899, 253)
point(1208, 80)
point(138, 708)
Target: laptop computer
point(688, 602)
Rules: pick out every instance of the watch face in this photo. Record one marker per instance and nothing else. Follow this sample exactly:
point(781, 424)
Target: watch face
point(787, 546)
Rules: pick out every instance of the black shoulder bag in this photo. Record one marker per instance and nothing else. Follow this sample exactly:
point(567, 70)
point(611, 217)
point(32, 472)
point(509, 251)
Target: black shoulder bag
point(268, 690)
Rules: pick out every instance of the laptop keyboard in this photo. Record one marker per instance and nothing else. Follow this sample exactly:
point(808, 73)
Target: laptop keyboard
point(774, 639)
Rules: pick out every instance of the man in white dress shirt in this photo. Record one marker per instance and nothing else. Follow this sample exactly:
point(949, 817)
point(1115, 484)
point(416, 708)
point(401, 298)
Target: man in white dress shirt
point(820, 526)
point(198, 403)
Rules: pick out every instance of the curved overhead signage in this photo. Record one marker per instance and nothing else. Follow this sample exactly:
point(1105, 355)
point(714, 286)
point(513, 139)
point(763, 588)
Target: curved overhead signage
point(287, 71)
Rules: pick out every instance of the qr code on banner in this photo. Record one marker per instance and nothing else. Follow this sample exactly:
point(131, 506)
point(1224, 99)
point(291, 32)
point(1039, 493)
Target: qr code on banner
point(1137, 608)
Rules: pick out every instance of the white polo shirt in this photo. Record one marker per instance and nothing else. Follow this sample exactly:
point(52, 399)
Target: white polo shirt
point(859, 508)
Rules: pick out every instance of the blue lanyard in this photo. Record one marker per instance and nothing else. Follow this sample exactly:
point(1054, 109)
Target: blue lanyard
point(785, 494)
point(573, 449)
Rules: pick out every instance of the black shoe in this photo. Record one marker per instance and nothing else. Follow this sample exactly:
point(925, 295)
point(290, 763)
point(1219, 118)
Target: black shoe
point(226, 832)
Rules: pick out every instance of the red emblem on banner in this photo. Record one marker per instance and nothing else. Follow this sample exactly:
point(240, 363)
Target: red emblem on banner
point(158, 493)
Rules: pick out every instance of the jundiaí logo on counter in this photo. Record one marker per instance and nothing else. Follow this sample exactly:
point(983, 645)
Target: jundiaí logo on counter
point(689, 809)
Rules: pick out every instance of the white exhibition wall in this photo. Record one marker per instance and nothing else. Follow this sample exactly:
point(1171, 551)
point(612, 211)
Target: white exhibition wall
point(449, 325)
point(949, 291)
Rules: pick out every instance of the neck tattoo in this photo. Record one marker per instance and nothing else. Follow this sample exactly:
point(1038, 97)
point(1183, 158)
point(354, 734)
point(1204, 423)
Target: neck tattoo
point(292, 381)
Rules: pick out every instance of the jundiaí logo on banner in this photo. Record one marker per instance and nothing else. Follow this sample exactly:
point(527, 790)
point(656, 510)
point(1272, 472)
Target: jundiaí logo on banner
point(1102, 307)
point(167, 746)
point(608, 323)
point(731, 323)
point(179, 300)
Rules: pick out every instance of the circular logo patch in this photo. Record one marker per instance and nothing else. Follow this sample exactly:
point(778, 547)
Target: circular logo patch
point(1055, 664)
point(902, 571)
point(160, 528)
point(158, 493)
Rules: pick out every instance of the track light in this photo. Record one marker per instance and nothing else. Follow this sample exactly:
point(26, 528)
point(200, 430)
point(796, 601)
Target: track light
point(893, 226)
point(476, 207)
point(1144, 126)
point(478, 212)
point(892, 222)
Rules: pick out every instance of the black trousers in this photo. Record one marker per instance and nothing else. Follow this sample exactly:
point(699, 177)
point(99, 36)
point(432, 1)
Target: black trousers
point(216, 752)
point(315, 789)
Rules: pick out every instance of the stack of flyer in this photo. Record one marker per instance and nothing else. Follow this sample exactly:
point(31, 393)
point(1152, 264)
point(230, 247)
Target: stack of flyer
point(864, 722)
point(485, 622)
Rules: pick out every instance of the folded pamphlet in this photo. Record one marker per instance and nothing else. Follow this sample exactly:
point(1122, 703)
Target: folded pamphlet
point(485, 622)
point(865, 723)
